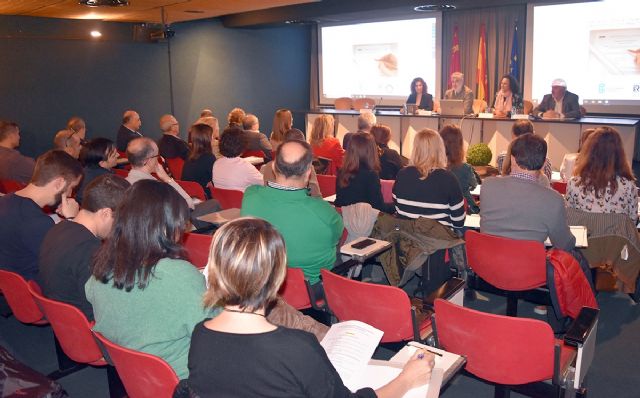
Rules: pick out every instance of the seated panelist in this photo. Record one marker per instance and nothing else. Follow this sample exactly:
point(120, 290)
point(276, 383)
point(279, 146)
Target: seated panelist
point(507, 98)
point(560, 104)
point(419, 95)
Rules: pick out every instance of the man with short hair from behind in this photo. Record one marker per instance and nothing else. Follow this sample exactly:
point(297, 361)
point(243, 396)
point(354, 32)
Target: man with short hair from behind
point(310, 226)
point(68, 248)
point(23, 224)
point(170, 144)
point(521, 127)
point(128, 130)
point(13, 165)
point(256, 141)
point(78, 126)
point(68, 141)
point(366, 121)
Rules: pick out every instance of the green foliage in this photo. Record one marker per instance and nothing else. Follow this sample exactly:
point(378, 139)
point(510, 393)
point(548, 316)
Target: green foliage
point(479, 155)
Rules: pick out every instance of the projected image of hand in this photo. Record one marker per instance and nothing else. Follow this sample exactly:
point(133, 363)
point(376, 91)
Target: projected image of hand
point(388, 64)
point(636, 55)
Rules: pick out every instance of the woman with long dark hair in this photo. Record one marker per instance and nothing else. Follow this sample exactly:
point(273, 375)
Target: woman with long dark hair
point(419, 95)
point(358, 179)
point(508, 97)
point(199, 164)
point(454, 149)
point(602, 181)
point(390, 160)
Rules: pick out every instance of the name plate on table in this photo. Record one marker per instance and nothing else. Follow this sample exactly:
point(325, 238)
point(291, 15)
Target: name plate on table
point(364, 248)
point(423, 112)
point(221, 217)
point(485, 115)
point(520, 116)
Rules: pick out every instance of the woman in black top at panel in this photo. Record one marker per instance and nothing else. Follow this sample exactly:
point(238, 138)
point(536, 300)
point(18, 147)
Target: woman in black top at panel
point(358, 179)
point(199, 164)
point(390, 160)
point(419, 95)
point(240, 353)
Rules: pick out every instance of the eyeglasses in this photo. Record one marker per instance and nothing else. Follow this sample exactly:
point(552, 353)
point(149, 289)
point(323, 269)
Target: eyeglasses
point(160, 158)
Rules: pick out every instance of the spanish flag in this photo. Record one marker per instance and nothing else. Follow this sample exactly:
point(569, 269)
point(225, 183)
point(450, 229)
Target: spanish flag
point(454, 60)
point(481, 70)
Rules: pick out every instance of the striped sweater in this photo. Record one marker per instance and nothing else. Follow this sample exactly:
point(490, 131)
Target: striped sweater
point(437, 197)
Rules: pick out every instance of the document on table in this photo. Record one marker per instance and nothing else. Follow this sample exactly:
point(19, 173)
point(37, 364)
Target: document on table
point(580, 232)
point(472, 221)
point(330, 198)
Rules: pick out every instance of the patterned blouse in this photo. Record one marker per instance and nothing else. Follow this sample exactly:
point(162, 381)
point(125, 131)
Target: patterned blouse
point(624, 200)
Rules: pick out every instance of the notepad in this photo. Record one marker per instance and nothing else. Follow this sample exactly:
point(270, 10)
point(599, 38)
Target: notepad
point(580, 232)
point(221, 217)
point(366, 252)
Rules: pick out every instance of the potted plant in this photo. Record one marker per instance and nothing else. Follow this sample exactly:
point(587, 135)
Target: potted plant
point(479, 155)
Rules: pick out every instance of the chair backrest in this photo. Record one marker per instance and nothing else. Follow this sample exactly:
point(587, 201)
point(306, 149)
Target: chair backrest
point(343, 103)
point(294, 289)
point(387, 308)
point(527, 107)
point(16, 291)
point(560, 187)
point(507, 264)
point(228, 198)
point(193, 189)
point(71, 327)
point(175, 166)
point(248, 153)
point(327, 185)
point(479, 105)
point(387, 190)
point(122, 172)
point(143, 375)
point(10, 186)
point(197, 246)
point(361, 103)
point(498, 348)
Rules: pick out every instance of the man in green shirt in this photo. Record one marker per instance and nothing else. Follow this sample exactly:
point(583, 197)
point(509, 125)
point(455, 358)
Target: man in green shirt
point(310, 226)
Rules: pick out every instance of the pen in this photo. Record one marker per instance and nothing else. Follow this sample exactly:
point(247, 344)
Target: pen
point(426, 349)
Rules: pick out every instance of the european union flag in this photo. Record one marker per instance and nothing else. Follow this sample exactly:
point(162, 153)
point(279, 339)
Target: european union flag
point(514, 64)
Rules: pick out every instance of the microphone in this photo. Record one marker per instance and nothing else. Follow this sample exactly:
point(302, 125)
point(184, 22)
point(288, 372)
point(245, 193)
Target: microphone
point(375, 106)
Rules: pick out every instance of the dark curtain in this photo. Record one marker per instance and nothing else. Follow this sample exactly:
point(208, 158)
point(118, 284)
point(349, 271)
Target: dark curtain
point(500, 23)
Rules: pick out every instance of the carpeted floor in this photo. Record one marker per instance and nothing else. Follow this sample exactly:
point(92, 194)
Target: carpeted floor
point(613, 373)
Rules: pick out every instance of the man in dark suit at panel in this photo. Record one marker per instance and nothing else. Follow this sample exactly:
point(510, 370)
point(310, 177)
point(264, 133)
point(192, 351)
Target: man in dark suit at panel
point(128, 130)
point(256, 141)
point(560, 104)
point(171, 145)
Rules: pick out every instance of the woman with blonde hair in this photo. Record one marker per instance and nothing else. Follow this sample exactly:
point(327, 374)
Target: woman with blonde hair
point(603, 181)
point(240, 353)
point(323, 143)
point(426, 188)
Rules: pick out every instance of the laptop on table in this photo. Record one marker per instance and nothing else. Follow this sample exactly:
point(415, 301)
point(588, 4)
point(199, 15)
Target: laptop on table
point(449, 107)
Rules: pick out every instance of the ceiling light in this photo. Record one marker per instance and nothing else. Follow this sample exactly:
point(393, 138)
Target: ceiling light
point(95, 33)
point(104, 3)
point(434, 7)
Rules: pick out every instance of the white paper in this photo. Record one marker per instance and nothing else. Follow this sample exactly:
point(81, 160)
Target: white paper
point(379, 373)
point(472, 221)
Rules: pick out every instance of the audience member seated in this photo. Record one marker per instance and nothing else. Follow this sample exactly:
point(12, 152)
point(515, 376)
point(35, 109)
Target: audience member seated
point(98, 157)
point(323, 142)
point(13, 165)
point(170, 144)
point(426, 188)
point(145, 295)
point(282, 122)
point(454, 147)
point(240, 353)
point(78, 126)
point(143, 156)
point(517, 207)
point(23, 224)
point(358, 179)
point(235, 116)
point(269, 174)
point(256, 141)
point(569, 159)
point(508, 97)
point(603, 181)
point(215, 137)
point(128, 129)
point(503, 162)
point(67, 141)
point(459, 91)
point(231, 171)
point(419, 95)
point(206, 112)
point(311, 226)
point(68, 248)
point(560, 104)
point(390, 160)
point(366, 121)
point(199, 164)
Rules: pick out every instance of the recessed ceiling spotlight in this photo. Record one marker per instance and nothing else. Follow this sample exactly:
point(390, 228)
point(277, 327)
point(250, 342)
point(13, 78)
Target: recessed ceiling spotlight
point(95, 33)
point(104, 3)
point(434, 7)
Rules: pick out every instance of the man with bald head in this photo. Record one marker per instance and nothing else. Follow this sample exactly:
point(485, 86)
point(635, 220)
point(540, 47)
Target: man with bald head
point(171, 145)
point(560, 104)
point(310, 226)
point(68, 141)
point(128, 130)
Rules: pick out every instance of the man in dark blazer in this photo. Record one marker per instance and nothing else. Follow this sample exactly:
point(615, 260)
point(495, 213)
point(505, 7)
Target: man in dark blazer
point(170, 144)
point(256, 141)
point(128, 130)
point(560, 104)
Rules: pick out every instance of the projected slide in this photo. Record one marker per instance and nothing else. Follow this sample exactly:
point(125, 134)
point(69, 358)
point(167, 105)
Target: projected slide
point(377, 59)
point(595, 47)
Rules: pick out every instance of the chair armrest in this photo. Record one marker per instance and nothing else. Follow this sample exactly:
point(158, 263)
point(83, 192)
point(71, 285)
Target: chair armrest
point(343, 269)
point(446, 291)
point(581, 326)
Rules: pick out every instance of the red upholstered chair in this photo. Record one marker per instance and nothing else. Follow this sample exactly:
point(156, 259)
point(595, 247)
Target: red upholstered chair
point(175, 166)
point(143, 375)
point(387, 190)
point(10, 186)
point(560, 187)
point(327, 185)
point(197, 246)
point(256, 153)
point(508, 264)
point(122, 172)
point(513, 352)
point(228, 198)
point(295, 290)
point(387, 308)
point(16, 291)
point(193, 189)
